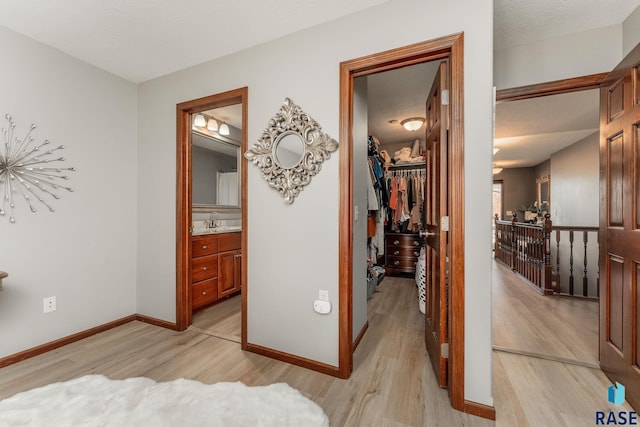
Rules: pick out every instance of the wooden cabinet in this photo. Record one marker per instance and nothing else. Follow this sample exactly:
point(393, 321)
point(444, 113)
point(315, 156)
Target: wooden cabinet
point(215, 267)
point(401, 252)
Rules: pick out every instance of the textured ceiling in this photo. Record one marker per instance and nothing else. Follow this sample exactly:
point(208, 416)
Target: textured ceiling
point(519, 22)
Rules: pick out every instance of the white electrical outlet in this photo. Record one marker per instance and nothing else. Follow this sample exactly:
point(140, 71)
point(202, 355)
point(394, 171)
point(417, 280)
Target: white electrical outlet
point(323, 295)
point(49, 304)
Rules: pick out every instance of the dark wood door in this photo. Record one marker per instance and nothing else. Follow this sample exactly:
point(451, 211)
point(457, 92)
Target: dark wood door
point(620, 225)
point(435, 212)
point(229, 273)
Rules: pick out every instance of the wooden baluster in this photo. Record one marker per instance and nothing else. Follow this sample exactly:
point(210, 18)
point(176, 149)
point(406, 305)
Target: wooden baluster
point(585, 280)
point(571, 262)
point(558, 261)
point(514, 249)
point(546, 238)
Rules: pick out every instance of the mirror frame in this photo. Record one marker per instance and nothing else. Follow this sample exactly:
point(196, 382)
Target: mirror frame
point(317, 147)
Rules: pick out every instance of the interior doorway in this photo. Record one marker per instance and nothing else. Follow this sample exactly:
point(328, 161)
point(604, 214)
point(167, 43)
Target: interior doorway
point(562, 151)
point(450, 48)
point(211, 233)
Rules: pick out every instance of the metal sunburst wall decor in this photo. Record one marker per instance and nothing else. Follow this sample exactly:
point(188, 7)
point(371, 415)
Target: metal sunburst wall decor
point(25, 172)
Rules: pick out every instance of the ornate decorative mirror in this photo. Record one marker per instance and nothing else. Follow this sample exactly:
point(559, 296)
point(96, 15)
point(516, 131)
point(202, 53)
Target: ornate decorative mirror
point(291, 150)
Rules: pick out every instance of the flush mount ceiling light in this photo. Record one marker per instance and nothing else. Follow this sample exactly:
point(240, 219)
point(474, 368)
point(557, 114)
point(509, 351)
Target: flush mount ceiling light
point(199, 121)
point(224, 129)
point(212, 124)
point(412, 124)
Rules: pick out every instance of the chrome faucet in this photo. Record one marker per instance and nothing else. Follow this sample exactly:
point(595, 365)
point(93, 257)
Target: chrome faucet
point(212, 220)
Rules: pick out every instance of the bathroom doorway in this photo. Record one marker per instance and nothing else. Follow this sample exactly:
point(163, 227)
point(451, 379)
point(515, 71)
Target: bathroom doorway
point(211, 214)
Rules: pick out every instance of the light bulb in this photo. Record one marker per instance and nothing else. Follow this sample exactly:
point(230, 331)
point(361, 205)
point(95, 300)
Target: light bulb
point(212, 124)
point(224, 129)
point(199, 121)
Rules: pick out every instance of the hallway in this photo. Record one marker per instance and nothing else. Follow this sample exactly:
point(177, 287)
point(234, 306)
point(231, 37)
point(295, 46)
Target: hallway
point(545, 357)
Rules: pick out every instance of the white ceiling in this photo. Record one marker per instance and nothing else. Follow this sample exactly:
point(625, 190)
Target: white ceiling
point(142, 39)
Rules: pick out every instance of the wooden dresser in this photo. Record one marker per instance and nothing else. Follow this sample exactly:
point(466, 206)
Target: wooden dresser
point(401, 252)
point(215, 267)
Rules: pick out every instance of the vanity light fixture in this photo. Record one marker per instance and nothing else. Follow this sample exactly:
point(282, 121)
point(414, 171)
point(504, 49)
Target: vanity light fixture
point(412, 124)
point(199, 121)
point(212, 124)
point(224, 129)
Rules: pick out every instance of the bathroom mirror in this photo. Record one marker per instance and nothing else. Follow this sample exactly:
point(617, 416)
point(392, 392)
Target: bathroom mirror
point(291, 150)
point(216, 160)
point(288, 149)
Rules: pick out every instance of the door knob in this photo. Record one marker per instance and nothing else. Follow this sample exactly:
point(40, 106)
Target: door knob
point(423, 233)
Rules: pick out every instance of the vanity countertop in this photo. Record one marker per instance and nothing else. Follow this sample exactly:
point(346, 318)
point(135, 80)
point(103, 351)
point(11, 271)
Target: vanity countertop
point(215, 230)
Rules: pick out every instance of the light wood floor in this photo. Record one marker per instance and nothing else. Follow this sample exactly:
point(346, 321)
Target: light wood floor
point(392, 384)
point(223, 320)
point(560, 328)
point(545, 359)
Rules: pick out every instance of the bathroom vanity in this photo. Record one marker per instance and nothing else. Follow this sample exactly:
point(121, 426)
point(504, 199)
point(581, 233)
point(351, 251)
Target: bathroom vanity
point(215, 267)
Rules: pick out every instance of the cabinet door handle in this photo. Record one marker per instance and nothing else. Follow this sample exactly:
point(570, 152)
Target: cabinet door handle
point(204, 292)
point(396, 252)
point(416, 253)
point(396, 263)
point(204, 246)
point(204, 268)
point(395, 242)
point(416, 243)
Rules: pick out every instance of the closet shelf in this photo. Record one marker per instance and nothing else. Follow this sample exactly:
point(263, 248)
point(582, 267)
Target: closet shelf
point(414, 165)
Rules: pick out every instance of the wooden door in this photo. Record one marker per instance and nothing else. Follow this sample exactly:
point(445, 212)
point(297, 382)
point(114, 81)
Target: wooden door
point(620, 225)
point(435, 212)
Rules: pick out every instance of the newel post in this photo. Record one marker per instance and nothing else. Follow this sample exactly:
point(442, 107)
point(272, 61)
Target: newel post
point(546, 235)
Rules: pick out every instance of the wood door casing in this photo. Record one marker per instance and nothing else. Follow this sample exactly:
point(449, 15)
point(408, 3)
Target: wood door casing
point(436, 207)
point(620, 225)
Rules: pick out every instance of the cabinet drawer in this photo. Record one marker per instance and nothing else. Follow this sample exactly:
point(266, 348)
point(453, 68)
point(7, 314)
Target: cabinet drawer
point(204, 245)
point(401, 262)
point(204, 267)
point(229, 241)
point(405, 241)
point(203, 293)
point(403, 252)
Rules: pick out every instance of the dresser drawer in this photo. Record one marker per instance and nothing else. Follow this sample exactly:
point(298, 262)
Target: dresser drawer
point(399, 251)
point(410, 241)
point(203, 293)
point(205, 267)
point(229, 241)
point(402, 262)
point(204, 245)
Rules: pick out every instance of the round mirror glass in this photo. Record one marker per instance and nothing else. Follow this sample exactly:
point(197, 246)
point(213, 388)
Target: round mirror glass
point(288, 150)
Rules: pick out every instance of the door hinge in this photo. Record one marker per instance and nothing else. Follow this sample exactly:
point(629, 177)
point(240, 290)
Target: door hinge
point(444, 223)
point(445, 97)
point(444, 350)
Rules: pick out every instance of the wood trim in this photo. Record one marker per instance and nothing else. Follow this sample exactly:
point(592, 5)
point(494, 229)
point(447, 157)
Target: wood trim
point(156, 322)
point(555, 87)
point(480, 410)
point(244, 197)
point(356, 342)
point(294, 360)
point(184, 110)
point(452, 47)
point(36, 351)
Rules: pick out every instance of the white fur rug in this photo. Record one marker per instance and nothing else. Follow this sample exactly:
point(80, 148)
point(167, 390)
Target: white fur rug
point(95, 400)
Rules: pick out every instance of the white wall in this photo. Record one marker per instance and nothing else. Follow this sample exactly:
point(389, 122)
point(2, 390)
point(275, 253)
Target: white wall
point(292, 249)
point(575, 183)
point(574, 55)
point(85, 252)
point(631, 32)
point(360, 183)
